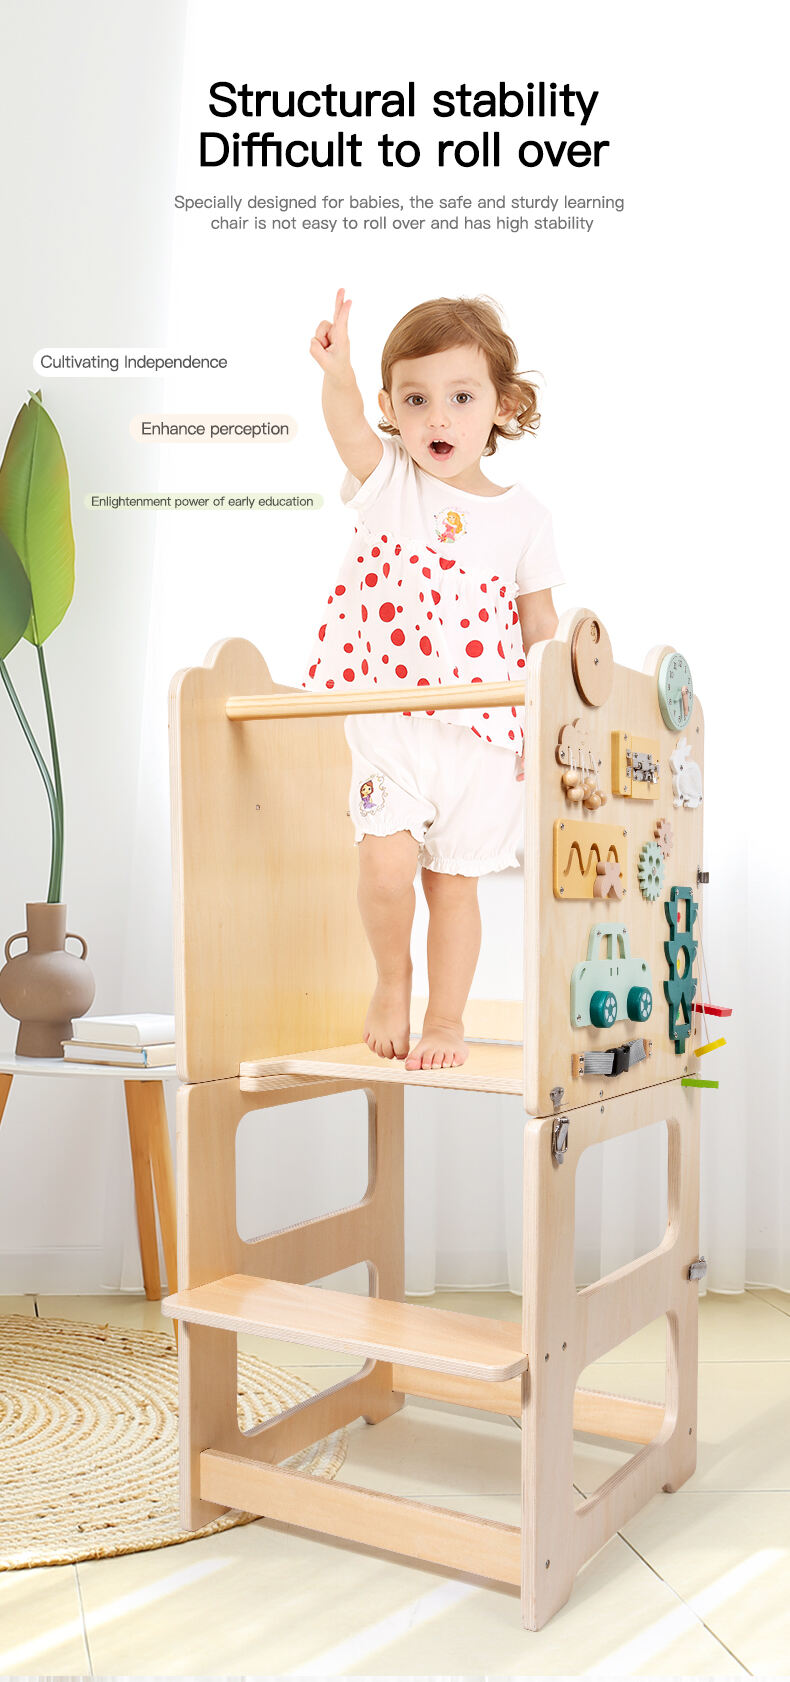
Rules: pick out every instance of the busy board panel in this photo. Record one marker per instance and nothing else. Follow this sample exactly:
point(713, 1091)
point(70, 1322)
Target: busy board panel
point(612, 900)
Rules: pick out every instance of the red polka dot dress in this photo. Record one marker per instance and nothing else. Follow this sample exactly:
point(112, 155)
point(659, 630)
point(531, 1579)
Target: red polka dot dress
point(428, 589)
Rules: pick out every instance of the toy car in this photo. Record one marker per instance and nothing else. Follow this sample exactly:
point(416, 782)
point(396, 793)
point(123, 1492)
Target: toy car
point(604, 990)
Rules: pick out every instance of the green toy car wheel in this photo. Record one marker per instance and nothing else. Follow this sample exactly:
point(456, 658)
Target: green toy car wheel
point(639, 1004)
point(603, 1009)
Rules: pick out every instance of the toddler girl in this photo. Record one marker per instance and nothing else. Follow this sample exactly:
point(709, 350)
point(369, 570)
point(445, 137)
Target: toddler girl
point(448, 580)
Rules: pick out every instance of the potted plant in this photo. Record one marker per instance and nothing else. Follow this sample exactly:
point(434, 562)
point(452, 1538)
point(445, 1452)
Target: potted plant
point(45, 986)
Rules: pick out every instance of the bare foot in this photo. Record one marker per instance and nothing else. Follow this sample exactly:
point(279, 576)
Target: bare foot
point(441, 1047)
point(387, 1021)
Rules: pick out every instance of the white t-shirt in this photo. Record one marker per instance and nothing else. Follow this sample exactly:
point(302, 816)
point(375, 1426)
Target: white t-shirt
point(427, 591)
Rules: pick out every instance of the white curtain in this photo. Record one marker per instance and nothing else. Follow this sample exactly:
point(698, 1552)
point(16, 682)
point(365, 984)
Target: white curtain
point(657, 456)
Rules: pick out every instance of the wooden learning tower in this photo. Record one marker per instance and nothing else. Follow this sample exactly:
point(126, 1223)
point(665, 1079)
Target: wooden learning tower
point(273, 977)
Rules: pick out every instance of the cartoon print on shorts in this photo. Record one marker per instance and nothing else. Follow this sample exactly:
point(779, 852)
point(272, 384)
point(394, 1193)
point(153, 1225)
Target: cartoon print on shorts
point(450, 525)
point(371, 801)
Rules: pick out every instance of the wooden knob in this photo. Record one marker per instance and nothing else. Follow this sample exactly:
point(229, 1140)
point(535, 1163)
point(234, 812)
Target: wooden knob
point(591, 661)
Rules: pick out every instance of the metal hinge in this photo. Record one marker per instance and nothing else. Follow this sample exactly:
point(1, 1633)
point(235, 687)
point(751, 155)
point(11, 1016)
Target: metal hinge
point(698, 1268)
point(559, 1132)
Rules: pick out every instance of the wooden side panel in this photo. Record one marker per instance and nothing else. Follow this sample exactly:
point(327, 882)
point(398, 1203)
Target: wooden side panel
point(209, 1247)
point(556, 930)
point(270, 952)
point(564, 1329)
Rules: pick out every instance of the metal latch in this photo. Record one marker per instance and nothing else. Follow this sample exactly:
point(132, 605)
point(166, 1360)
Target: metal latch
point(559, 1132)
point(644, 768)
point(698, 1268)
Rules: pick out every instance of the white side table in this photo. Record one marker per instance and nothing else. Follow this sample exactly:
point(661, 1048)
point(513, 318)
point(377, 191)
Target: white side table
point(149, 1140)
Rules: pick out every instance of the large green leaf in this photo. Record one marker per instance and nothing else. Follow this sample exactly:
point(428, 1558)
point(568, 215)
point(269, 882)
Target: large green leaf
point(35, 515)
point(15, 597)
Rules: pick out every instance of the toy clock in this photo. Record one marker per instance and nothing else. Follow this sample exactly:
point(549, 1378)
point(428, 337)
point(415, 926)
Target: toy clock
point(675, 691)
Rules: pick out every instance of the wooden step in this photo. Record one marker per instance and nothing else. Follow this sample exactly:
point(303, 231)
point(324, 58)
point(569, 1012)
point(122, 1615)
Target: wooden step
point(367, 1326)
point(488, 1068)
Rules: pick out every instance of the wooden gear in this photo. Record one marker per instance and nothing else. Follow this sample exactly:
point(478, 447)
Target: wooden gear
point(273, 975)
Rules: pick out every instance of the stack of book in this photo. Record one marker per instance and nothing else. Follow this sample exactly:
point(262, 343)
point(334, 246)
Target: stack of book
point(146, 1041)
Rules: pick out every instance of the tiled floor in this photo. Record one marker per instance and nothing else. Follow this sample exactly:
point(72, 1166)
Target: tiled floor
point(698, 1584)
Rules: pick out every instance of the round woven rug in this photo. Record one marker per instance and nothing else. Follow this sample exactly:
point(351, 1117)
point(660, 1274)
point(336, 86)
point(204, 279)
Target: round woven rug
point(89, 1440)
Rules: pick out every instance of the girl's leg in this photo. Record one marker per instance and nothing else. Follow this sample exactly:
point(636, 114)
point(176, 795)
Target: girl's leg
point(454, 934)
point(386, 898)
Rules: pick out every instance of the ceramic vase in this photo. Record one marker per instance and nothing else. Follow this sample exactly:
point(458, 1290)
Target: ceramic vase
point(46, 986)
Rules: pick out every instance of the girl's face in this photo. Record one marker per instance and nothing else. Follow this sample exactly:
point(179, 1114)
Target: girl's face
point(444, 407)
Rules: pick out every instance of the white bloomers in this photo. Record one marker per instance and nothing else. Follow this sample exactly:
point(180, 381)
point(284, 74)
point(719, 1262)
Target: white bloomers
point(456, 794)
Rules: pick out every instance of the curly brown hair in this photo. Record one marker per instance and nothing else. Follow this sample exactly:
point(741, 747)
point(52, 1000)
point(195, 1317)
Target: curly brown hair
point(443, 323)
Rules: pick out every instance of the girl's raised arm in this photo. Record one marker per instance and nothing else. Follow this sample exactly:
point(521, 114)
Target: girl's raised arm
point(358, 446)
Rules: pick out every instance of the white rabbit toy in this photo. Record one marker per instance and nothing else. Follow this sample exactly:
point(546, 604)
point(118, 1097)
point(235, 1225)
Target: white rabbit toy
point(686, 776)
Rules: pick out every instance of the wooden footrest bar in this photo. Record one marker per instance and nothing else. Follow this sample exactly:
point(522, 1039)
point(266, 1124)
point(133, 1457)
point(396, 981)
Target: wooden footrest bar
point(369, 1326)
point(454, 1540)
point(625, 1418)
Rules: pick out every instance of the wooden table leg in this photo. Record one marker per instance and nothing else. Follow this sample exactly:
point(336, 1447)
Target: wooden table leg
point(5, 1088)
point(137, 1115)
point(164, 1178)
point(152, 1166)
point(154, 1181)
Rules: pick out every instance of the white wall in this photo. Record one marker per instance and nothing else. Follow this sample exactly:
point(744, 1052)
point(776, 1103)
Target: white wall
point(90, 121)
